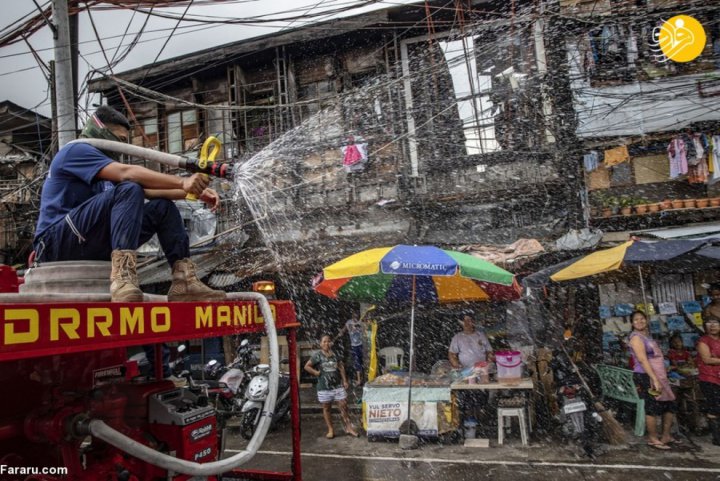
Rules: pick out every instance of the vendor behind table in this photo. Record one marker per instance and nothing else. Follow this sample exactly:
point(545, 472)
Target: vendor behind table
point(469, 346)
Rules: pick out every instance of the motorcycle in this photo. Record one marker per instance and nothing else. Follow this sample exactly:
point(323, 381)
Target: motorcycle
point(255, 394)
point(580, 421)
point(225, 385)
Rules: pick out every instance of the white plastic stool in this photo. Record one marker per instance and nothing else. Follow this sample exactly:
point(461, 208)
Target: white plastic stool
point(520, 413)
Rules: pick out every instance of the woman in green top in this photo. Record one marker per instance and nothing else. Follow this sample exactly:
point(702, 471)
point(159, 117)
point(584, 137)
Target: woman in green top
point(329, 370)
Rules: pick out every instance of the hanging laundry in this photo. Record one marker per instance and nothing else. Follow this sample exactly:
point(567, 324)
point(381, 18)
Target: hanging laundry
point(698, 173)
point(632, 48)
point(690, 150)
point(677, 155)
point(616, 156)
point(714, 159)
point(586, 56)
point(354, 154)
point(591, 161)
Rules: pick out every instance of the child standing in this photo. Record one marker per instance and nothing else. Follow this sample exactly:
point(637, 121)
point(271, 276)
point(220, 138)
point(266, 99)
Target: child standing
point(355, 329)
point(677, 354)
point(329, 370)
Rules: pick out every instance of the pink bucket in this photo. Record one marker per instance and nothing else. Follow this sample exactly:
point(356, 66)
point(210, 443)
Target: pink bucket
point(509, 364)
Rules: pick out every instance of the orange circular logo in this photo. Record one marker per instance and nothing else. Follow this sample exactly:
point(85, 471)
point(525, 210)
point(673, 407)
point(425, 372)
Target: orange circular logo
point(681, 39)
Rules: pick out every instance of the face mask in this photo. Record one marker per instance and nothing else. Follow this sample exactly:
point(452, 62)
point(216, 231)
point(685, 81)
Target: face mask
point(95, 129)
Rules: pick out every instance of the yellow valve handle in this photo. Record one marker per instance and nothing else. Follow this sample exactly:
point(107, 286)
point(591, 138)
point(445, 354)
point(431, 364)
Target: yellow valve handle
point(213, 145)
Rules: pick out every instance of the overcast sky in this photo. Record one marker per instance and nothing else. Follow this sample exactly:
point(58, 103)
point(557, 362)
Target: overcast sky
point(22, 81)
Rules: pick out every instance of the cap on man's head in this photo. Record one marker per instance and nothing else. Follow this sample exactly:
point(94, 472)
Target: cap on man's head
point(109, 115)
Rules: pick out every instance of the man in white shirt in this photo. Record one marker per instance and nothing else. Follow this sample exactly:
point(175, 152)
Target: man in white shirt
point(469, 346)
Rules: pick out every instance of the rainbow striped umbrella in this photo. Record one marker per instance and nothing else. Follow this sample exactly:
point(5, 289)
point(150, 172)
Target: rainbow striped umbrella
point(388, 274)
point(425, 274)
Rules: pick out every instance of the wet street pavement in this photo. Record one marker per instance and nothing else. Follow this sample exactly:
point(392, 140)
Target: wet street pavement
point(348, 459)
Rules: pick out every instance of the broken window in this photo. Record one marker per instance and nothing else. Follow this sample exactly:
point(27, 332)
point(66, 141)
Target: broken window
point(150, 139)
point(316, 90)
point(470, 95)
point(471, 89)
point(219, 124)
point(182, 130)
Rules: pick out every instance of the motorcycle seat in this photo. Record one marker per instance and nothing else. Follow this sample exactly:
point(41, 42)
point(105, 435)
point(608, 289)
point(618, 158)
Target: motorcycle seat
point(211, 384)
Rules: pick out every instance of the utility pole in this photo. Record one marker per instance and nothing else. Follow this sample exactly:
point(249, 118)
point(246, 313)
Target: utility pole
point(53, 107)
point(63, 74)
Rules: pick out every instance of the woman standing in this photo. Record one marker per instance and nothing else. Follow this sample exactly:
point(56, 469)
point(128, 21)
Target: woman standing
point(708, 362)
point(329, 370)
point(652, 383)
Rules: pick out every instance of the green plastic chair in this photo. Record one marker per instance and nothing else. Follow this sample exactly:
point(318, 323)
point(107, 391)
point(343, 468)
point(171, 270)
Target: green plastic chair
point(617, 383)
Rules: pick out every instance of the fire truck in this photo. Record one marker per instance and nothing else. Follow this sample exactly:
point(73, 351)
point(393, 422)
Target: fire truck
point(75, 408)
point(73, 400)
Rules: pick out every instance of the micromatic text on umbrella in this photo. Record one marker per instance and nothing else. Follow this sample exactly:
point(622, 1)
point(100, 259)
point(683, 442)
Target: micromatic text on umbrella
point(395, 265)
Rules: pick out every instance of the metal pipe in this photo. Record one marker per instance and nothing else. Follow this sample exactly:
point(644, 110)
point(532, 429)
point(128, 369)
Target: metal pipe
point(104, 432)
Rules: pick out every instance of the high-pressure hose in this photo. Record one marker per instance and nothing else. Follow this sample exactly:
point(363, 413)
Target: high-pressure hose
point(216, 169)
point(102, 431)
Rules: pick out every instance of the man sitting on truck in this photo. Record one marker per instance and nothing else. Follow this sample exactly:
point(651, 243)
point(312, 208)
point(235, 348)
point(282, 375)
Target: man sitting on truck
point(94, 208)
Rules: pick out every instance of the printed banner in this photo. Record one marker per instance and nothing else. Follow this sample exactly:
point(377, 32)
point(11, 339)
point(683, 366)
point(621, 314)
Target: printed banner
point(385, 418)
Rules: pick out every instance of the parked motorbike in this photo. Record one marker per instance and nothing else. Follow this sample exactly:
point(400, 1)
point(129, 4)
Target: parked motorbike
point(226, 385)
point(255, 394)
point(580, 421)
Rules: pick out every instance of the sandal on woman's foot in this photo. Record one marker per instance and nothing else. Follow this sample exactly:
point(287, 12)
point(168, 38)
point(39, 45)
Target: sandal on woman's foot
point(659, 445)
point(673, 441)
point(330, 435)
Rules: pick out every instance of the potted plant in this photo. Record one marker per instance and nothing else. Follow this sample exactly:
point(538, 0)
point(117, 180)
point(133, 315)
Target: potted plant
point(677, 203)
point(654, 207)
point(689, 203)
point(715, 202)
point(666, 204)
point(641, 205)
point(610, 205)
point(626, 205)
point(702, 203)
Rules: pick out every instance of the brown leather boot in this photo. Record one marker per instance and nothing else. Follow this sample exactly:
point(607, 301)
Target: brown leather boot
point(123, 277)
point(187, 287)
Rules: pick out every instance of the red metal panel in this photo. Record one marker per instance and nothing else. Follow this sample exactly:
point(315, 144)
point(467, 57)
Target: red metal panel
point(34, 330)
point(296, 466)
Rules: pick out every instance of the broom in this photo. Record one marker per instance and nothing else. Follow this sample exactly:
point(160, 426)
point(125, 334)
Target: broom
point(612, 429)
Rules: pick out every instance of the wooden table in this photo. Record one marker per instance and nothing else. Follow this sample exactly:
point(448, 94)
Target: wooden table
point(689, 400)
point(524, 385)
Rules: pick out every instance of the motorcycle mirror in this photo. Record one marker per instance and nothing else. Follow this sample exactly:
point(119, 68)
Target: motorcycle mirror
point(181, 348)
point(244, 343)
point(212, 362)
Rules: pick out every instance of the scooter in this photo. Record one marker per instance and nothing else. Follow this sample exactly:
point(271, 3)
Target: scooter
point(580, 421)
point(225, 385)
point(255, 395)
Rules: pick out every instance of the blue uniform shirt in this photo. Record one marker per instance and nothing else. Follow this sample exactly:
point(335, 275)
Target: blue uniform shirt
point(70, 182)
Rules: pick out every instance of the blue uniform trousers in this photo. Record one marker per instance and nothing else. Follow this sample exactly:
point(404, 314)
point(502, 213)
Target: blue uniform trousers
point(118, 218)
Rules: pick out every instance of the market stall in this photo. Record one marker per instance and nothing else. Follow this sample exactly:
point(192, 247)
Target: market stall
point(665, 279)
